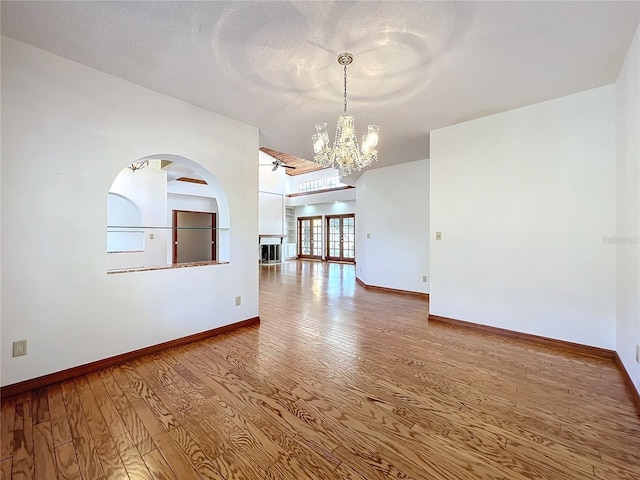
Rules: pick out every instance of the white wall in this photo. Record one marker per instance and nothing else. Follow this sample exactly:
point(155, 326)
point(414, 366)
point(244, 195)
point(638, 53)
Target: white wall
point(628, 209)
point(274, 181)
point(272, 184)
point(124, 225)
point(392, 226)
point(330, 197)
point(523, 200)
point(67, 130)
point(333, 208)
point(271, 213)
point(193, 203)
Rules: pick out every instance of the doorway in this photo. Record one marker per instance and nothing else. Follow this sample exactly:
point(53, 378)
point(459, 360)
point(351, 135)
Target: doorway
point(194, 236)
point(341, 238)
point(310, 237)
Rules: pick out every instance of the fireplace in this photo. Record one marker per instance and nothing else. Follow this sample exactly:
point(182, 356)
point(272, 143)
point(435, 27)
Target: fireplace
point(270, 253)
point(270, 248)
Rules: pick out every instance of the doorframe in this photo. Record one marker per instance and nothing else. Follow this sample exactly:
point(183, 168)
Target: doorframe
point(300, 254)
point(174, 239)
point(342, 258)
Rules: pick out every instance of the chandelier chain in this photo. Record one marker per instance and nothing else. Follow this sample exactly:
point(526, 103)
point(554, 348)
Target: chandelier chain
point(345, 88)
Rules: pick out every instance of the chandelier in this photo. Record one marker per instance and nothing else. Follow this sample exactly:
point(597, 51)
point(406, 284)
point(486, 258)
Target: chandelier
point(345, 155)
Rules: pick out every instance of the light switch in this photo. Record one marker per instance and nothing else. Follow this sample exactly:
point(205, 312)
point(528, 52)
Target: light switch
point(438, 235)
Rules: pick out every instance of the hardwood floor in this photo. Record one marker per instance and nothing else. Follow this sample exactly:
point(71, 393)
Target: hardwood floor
point(337, 382)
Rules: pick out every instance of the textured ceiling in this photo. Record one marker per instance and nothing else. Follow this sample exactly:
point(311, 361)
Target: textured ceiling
point(418, 65)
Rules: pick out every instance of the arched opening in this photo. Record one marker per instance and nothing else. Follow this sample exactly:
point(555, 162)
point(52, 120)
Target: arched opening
point(153, 209)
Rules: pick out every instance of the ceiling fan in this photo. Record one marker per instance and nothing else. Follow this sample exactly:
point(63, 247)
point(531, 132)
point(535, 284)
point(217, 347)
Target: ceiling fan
point(277, 163)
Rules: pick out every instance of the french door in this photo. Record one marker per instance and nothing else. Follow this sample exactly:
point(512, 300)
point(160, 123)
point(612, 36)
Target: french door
point(341, 237)
point(310, 237)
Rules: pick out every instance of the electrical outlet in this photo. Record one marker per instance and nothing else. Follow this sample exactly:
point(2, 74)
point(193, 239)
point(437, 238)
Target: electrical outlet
point(438, 235)
point(425, 278)
point(19, 348)
point(151, 236)
point(238, 301)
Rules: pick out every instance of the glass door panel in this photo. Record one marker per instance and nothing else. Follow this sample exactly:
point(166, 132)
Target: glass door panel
point(349, 238)
point(341, 238)
point(310, 237)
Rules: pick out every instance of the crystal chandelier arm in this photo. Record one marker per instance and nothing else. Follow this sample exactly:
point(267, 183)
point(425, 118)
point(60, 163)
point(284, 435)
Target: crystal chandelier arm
point(321, 138)
point(370, 140)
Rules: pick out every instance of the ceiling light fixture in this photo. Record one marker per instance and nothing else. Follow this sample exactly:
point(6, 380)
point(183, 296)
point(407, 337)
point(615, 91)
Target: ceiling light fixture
point(345, 156)
point(139, 165)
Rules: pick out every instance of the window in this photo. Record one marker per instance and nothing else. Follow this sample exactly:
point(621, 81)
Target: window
point(320, 184)
point(309, 186)
point(334, 182)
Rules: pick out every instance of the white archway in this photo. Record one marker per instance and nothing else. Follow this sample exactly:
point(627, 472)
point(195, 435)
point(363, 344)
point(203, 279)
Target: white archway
point(150, 190)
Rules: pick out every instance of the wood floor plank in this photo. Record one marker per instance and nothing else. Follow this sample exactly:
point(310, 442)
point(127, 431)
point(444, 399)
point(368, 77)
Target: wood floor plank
point(207, 465)
point(67, 463)
point(45, 466)
point(195, 418)
point(58, 415)
point(155, 404)
point(7, 425)
point(341, 383)
point(85, 446)
point(40, 406)
point(370, 466)
point(24, 397)
point(55, 401)
point(179, 462)
point(112, 463)
point(132, 461)
point(22, 467)
point(243, 438)
point(158, 466)
point(135, 427)
point(241, 397)
point(5, 468)
point(61, 430)
point(106, 406)
point(95, 421)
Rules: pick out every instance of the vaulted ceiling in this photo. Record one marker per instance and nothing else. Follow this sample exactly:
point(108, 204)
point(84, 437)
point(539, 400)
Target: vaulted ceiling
point(300, 165)
point(418, 66)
